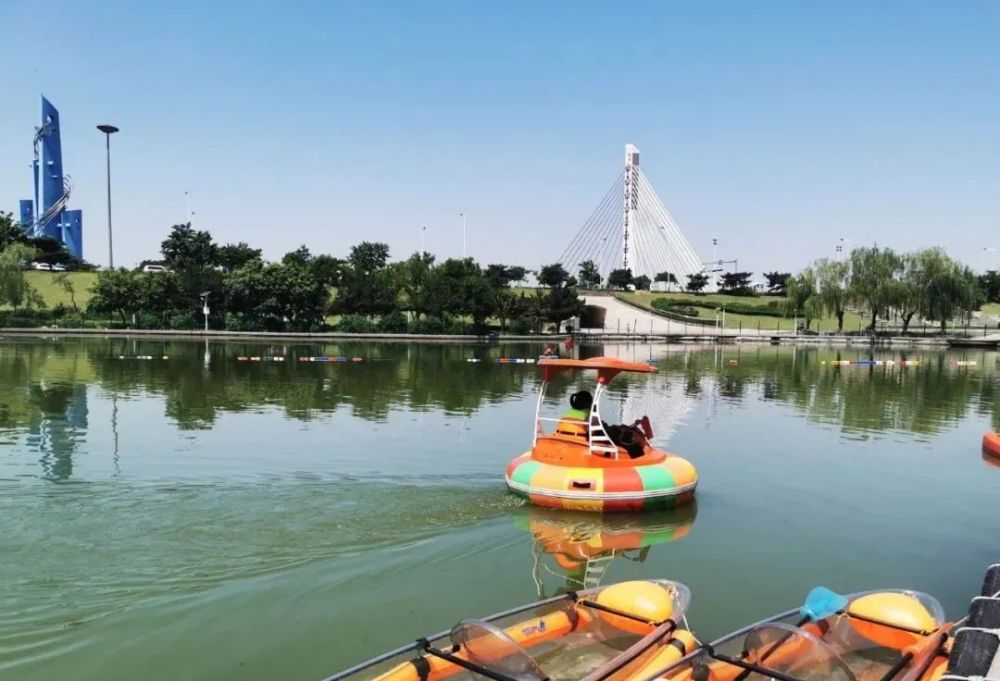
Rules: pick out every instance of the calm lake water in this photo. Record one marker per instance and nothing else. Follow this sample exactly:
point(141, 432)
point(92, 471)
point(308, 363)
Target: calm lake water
point(193, 516)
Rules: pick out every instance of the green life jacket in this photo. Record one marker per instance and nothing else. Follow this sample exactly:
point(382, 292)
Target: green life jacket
point(577, 414)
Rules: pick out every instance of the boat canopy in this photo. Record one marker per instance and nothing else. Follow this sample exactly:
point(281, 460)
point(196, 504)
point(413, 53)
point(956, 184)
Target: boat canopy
point(607, 367)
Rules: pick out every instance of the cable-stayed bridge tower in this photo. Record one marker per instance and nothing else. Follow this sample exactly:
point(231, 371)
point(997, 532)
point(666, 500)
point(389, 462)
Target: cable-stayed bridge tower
point(632, 229)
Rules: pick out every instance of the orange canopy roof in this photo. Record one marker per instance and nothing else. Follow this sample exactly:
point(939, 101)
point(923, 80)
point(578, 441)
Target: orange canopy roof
point(607, 367)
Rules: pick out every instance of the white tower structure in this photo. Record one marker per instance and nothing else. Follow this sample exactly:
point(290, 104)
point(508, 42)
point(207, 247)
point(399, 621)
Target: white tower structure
point(632, 229)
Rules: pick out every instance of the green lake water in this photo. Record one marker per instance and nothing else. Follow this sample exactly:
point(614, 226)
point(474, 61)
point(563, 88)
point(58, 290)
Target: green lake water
point(193, 516)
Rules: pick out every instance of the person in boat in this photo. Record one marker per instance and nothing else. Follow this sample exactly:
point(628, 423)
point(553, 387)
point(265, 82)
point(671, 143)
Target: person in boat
point(576, 420)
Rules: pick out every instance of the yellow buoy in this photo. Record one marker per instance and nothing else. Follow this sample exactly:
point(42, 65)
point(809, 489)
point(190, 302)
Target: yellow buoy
point(645, 600)
point(898, 619)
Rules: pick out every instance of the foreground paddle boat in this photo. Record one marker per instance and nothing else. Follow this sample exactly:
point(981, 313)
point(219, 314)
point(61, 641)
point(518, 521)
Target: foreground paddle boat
point(623, 631)
point(872, 636)
point(584, 464)
point(584, 546)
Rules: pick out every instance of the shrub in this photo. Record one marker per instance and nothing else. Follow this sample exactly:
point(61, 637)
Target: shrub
point(427, 325)
point(522, 326)
point(356, 323)
point(236, 322)
point(184, 321)
point(394, 322)
point(773, 308)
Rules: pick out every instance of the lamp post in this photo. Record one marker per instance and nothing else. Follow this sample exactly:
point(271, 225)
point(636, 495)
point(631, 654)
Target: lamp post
point(464, 233)
point(204, 307)
point(423, 232)
point(187, 198)
point(109, 130)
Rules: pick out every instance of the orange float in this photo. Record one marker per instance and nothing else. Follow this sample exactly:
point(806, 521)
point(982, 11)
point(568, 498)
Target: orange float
point(581, 463)
point(991, 444)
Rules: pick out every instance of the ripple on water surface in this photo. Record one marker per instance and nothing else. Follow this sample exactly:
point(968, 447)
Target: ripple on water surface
point(76, 553)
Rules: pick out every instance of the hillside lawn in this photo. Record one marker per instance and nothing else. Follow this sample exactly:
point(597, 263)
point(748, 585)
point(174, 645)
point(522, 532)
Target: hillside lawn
point(644, 300)
point(53, 294)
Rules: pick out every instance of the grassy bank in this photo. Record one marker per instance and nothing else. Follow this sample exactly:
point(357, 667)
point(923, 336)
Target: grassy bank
point(53, 294)
point(763, 321)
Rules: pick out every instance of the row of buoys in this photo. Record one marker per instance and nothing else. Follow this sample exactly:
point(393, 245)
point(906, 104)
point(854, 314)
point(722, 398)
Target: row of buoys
point(503, 360)
point(262, 358)
point(330, 358)
point(963, 363)
point(145, 357)
point(872, 362)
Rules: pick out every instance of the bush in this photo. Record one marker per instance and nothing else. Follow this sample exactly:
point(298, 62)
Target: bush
point(184, 321)
point(522, 326)
point(236, 322)
point(427, 325)
point(394, 322)
point(457, 327)
point(686, 310)
point(772, 308)
point(356, 323)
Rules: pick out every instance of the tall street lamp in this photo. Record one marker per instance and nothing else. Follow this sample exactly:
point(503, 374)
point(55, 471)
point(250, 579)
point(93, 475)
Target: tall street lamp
point(463, 236)
point(108, 130)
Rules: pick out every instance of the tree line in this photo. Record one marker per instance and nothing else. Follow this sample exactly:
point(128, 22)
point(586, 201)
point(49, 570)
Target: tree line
point(302, 291)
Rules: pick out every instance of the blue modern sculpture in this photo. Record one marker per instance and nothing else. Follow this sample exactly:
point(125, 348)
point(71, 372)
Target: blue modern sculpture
point(50, 217)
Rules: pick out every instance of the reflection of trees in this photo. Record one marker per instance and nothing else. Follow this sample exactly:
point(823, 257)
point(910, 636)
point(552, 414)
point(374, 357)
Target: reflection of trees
point(45, 395)
point(417, 377)
point(918, 399)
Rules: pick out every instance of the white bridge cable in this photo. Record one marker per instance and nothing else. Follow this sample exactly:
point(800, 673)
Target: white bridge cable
point(588, 240)
point(601, 226)
point(686, 255)
point(656, 242)
point(660, 256)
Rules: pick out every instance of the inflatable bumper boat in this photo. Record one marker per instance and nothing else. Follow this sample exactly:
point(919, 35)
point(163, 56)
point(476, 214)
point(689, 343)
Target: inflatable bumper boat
point(584, 464)
point(991, 444)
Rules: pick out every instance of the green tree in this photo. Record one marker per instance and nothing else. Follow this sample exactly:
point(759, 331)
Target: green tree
point(119, 292)
point(951, 292)
point(776, 282)
point(696, 283)
point(63, 281)
point(989, 283)
point(10, 231)
point(831, 283)
point(873, 280)
point(589, 276)
point(327, 269)
point(188, 249)
point(234, 256)
point(413, 275)
point(552, 276)
point(620, 279)
point(367, 285)
point(736, 283)
point(642, 282)
point(14, 287)
point(369, 256)
point(666, 277)
point(801, 294)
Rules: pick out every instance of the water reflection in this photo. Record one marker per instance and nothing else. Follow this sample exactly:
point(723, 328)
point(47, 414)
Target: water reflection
point(579, 548)
point(50, 386)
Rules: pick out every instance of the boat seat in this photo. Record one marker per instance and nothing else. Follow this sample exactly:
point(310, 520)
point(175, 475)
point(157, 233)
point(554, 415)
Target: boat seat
point(984, 613)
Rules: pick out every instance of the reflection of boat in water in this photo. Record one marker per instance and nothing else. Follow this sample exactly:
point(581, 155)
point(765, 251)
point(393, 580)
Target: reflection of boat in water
point(991, 449)
point(584, 545)
point(585, 464)
point(622, 632)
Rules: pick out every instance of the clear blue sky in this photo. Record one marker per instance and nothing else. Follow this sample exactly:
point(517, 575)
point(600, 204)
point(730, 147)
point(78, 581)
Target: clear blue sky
point(776, 126)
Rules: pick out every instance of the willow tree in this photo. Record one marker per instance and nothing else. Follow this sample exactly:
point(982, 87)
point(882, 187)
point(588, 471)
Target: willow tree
point(873, 280)
point(832, 278)
point(14, 287)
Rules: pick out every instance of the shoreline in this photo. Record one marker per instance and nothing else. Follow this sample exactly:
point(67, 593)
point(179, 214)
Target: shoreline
point(639, 338)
